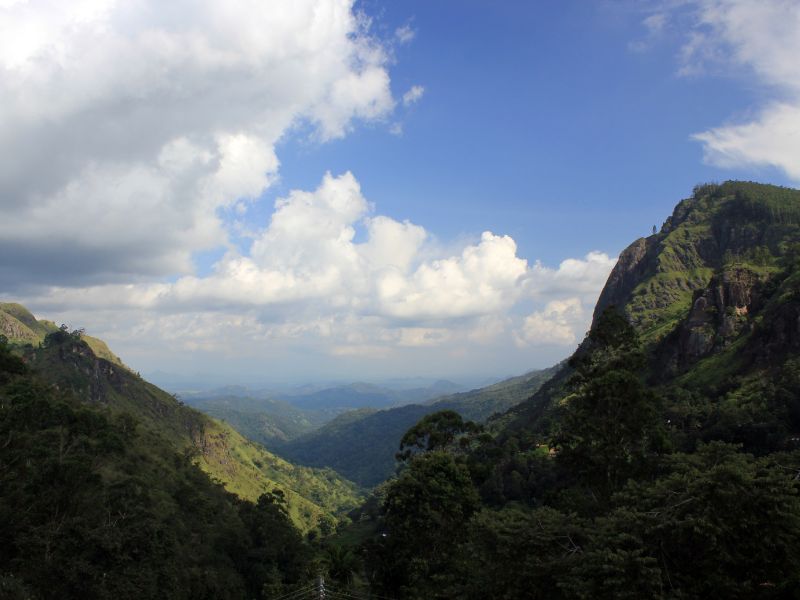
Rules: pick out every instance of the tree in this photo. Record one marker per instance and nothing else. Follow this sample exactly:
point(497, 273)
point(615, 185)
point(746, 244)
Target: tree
point(425, 515)
point(610, 424)
point(434, 432)
point(517, 553)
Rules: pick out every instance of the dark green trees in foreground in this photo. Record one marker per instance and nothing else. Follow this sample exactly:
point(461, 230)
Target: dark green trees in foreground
point(90, 507)
point(612, 512)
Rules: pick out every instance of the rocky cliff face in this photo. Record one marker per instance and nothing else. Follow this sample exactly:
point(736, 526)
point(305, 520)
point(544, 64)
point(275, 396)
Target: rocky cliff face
point(632, 266)
point(719, 314)
point(699, 284)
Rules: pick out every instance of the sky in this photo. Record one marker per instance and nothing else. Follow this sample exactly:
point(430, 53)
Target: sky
point(266, 191)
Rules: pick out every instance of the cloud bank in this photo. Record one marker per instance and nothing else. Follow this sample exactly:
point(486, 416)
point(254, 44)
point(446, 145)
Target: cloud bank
point(305, 274)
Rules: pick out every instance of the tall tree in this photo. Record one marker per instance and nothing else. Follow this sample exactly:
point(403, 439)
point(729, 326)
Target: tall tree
point(610, 424)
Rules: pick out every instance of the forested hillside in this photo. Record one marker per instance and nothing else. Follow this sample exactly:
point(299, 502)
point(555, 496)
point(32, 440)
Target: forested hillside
point(661, 462)
point(67, 360)
point(95, 504)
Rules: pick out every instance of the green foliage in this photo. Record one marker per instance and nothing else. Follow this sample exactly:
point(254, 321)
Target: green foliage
point(481, 404)
point(92, 507)
point(362, 445)
point(425, 512)
point(610, 425)
point(434, 432)
point(516, 553)
point(268, 422)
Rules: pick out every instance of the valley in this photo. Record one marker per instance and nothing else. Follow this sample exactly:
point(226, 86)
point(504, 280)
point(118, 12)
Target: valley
point(676, 421)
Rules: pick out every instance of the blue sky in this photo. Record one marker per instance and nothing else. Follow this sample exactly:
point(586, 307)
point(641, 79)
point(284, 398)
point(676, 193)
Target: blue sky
point(180, 207)
point(539, 120)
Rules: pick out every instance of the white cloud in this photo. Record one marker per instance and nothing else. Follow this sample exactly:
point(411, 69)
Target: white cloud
point(485, 279)
point(762, 39)
point(131, 125)
point(574, 276)
point(556, 324)
point(404, 34)
point(413, 95)
point(654, 24)
point(773, 139)
point(569, 294)
point(308, 282)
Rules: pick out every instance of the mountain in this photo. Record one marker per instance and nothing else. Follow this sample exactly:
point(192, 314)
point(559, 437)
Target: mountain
point(19, 325)
point(361, 445)
point(99, 502)
point(274, 418)
point(68, 361)
point(358, 444)
point(365, 395)
point(661, 461)
point(713, 297)
point(480, 404)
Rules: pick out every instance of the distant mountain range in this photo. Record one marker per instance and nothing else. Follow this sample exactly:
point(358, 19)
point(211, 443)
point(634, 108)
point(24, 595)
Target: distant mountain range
point(353, 429)
point(361, 444)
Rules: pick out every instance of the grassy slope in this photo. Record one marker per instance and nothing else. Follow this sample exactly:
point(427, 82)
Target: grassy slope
point(28, 330)
point(359, 444)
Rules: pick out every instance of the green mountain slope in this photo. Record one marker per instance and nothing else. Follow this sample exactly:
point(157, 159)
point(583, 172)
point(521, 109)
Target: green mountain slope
point(661, 461)
point(359, 444)
point(68, 361)
point(480, 404)
point(264, 420)
point(19, 325)
point(712, 296)
point(95, 504)
point(366, 395)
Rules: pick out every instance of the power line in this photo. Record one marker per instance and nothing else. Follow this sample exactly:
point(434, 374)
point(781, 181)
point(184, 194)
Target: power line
point(309, 589)
point(351, 594)
point(322, 591)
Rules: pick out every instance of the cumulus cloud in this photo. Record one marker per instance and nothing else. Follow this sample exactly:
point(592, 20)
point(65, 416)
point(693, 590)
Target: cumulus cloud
point(129, 126)
point(580, 277)
point(485, 278)
point(762, 39)
point(569, 293)
point(307, 253)
point(307, 277)
point(556, 324)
